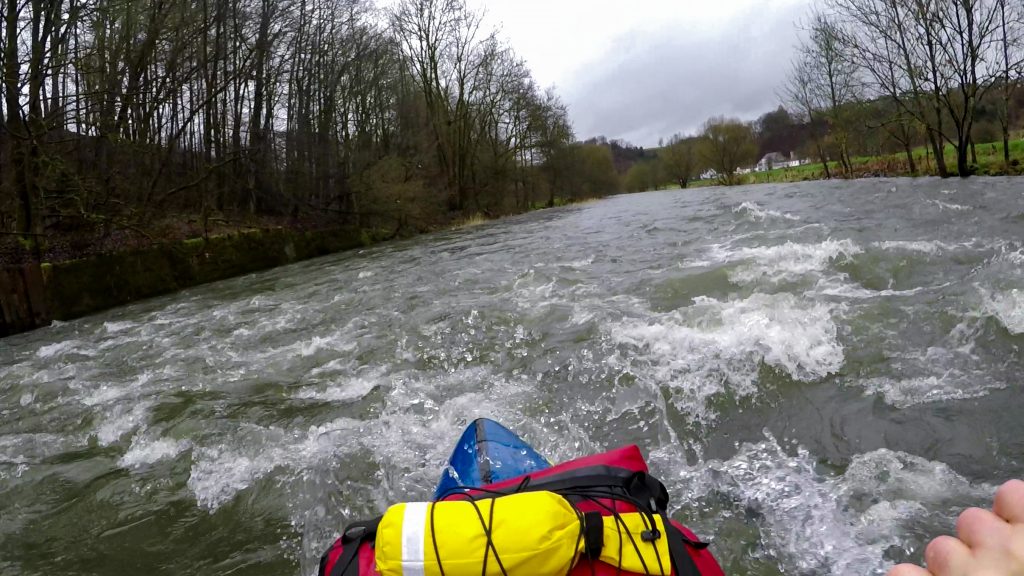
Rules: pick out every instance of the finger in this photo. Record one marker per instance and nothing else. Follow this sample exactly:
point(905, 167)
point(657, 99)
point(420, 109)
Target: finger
point(908, 570)
point(947, 556)
point(1009, 502)
point(979, 528)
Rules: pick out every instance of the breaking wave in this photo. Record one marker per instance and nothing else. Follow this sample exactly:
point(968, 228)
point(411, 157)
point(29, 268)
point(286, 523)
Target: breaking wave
point(318, 394)
point(1007, 307)
point(719, 346)
point(816, 522)
point(785, 262)
point(759, 213)
point(145, 451)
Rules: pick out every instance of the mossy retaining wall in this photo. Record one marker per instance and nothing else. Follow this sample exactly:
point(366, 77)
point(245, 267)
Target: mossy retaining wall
point(80, 287)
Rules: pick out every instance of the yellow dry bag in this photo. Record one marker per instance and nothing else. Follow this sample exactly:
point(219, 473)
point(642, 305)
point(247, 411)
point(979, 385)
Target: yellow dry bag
point(526, 534)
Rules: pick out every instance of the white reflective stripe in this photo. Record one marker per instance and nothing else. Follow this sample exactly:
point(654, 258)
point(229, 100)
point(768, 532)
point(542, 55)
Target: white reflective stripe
point(414, 532)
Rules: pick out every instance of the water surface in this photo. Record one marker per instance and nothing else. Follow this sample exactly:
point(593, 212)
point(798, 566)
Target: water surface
point(824, 374)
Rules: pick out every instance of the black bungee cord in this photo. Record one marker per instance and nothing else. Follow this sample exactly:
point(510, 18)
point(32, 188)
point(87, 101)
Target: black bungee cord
point(620, 524)
point(489, 540)
point(594, 494)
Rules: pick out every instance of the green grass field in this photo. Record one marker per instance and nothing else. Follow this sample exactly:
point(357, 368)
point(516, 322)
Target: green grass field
point(990, 163)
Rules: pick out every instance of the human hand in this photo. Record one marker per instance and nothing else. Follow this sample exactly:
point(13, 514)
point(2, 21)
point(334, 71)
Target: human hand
point(988, 543)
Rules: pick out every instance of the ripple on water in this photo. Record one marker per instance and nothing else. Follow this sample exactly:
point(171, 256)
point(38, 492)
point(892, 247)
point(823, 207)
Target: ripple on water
point(342, 390)
point(31, 448)
point(1007, 307)
point(146, 450)
point(120, 420)
point(760, 214)
point(221, 470)
point(781, 263)
point(322, 392)
point(408, 442)
point(816, 521)
point(716, 347)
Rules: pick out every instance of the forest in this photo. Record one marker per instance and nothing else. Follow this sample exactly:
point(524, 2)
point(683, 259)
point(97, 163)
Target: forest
point(128, 122)
point(132, 121)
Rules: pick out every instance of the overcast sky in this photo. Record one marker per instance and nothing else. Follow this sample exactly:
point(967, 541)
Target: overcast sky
point(645, 69)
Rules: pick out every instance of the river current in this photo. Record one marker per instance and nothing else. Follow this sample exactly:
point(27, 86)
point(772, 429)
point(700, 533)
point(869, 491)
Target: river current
point(823, 374)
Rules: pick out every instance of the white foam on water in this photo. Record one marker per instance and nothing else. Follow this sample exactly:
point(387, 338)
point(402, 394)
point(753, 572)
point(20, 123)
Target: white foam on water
point(121, 420)
point(950, 206)
point(110, 392)
point(784, 262)
point(581, 263)
point(114, 327)
point(718, 346)
point(950, 369)
point(1007, 307)
point(931, 247)
point(409, 441)
point(898, 477)
point(815, 522)
point(146, 450)
point(575, 264)
point(1014, 256)
point(531, 288)
point(366, 274)
point(414, 436)
point(345, 390)
point(759, 213)
point(906, 392)
point(27, 398)
point(336, 343)
point(221, 471)
point(841, 287)
point(61, 348)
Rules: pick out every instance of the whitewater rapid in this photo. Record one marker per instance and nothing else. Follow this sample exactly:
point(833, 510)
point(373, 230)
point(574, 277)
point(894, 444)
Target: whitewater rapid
point(822, 373)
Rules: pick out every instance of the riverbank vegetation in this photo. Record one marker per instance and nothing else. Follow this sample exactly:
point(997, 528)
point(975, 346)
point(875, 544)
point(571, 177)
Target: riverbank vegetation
point(880, 87)
point(128, 122)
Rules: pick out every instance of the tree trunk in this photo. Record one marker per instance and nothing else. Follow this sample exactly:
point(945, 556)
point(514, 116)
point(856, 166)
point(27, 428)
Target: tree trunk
point(940, 157)
point(911, 165)
point(1006, 145)
point(824, 161)
point(962, 166)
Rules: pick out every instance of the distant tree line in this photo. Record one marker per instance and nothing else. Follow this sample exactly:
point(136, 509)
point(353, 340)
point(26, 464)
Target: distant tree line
point(138, 114)
point(152, 115)
point(931, 70)
point(871, 78)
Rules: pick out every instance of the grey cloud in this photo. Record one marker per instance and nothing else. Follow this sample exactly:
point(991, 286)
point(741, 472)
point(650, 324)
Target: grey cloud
point(649, 87)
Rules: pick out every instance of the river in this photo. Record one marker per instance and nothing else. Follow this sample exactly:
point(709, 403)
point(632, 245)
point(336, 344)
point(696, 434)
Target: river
point(823, 374)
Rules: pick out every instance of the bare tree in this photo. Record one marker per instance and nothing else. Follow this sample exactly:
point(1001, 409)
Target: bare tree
point(1010, 44)
point(803, 99)
point(726, 146)
point(129, 113)
point(832, 80)
point(967, 33)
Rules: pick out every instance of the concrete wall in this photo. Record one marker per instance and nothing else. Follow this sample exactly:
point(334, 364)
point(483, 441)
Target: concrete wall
point(22, 299)
point(31, 296)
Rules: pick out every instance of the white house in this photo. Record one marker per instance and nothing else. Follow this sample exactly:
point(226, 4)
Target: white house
point(775, 160)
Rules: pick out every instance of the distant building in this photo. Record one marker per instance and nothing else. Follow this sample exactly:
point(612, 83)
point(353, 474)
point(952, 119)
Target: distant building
point(709, 174)
point(774, 160)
